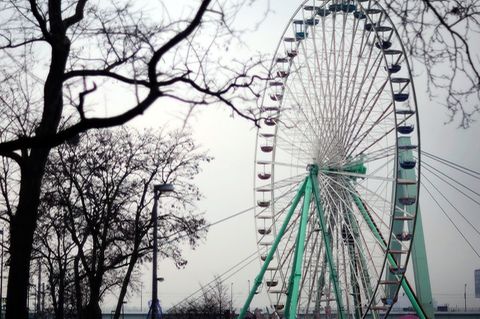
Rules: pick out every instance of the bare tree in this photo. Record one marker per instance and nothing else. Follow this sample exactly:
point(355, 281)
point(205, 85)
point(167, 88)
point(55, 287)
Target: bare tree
point(59, 58)
point(440, 35)
point(95, 212)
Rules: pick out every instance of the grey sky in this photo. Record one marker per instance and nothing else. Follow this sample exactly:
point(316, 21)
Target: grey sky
point(227, 184)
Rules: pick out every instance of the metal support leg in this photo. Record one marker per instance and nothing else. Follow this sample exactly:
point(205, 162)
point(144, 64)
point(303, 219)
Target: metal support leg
point(281, 232)
point(292, 299)
point(327, 242)
point(420, 269)
point(391, 260)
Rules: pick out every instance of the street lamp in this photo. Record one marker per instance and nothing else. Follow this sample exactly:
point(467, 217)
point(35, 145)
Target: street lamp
point(231, 298)
point(123, 309)
point(1, 279)
point(248, 292)
point(153, 312)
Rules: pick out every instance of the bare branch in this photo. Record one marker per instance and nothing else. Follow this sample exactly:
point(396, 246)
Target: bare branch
point(78, 16)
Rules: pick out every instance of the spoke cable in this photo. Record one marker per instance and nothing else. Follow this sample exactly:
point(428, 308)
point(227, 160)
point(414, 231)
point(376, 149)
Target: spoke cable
point(450, 203)
point(456, 166)
point(451, 221)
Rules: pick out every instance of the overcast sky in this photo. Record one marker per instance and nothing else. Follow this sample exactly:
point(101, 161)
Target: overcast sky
point(227, 184)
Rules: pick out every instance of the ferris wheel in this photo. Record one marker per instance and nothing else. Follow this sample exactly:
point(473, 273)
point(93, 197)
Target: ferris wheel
point(337, 164)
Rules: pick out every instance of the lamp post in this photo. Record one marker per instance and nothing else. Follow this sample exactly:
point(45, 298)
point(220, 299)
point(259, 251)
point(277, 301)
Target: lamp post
point(153, 312)
point(1, 279)
point(247, 294)
point(231, 298)
point(123, 309)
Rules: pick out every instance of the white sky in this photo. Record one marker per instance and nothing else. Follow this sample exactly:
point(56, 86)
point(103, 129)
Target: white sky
point(227, 184)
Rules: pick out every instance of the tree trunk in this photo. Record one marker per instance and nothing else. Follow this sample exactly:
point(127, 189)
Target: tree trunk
point(125, 282)
point(92, 310)
point(61, 296)
point(22, 227)
point(24, 222)
point(78, 289)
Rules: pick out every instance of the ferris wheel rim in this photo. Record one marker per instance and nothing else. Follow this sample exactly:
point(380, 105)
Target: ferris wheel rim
point(272, 170)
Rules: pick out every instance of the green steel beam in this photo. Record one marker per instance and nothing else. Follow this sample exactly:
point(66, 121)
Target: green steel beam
point(363, 260)
point(406, 287)
point(420, 269)
point(292, 272)
point(327, 242)
point(292, 299)
point(281, 232)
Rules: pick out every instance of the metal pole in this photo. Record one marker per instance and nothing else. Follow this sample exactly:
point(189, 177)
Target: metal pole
point(231, 298)
point(273, 248)
point(39, 288)
point(1, 280)
point(247, 295)
point(465, 297)
point(153, 305)
point(43, 297)
point(157, 191)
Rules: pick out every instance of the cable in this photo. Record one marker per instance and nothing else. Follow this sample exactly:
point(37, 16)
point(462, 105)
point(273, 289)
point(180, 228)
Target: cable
point(220, 276)
point(456, 188)
point(451, 221)
point(453, 165)
point(450, 178)
point(456, 209)
point(211, 287)
point(209, 225)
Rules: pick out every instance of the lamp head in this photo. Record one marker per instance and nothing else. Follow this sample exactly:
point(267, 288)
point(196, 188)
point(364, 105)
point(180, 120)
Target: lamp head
point(163, 188)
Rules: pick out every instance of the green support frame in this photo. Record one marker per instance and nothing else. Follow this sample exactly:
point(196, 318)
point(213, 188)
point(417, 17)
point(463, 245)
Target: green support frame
point(328, 243)
point(281, 232)
point(309, 187)
point(391, 260)
point(422, 303)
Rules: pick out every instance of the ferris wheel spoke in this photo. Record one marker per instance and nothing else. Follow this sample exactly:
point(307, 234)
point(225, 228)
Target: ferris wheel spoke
point(359, 242)
point(369, 176)
point(291, 147)
point(304, 120)
point(314, 273)
point(351, 123)
point(342, 106)
point(383, 136)
point(368, 67)
point(350, 79)
point(311, 79)
point(346, 220)
point(348, 189)
point(306, 275)
point(384, 116)
point(366, 113)
point(385, 153)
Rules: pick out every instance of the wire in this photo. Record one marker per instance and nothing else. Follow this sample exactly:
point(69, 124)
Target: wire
point(461, 168)
point(209, 225)
point(453, 206)
point(456, 188)
point(450, 178)
point(220, 276)
point(451, 221)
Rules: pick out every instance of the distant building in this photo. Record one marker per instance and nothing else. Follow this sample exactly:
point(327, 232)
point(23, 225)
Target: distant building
point(477, 283)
